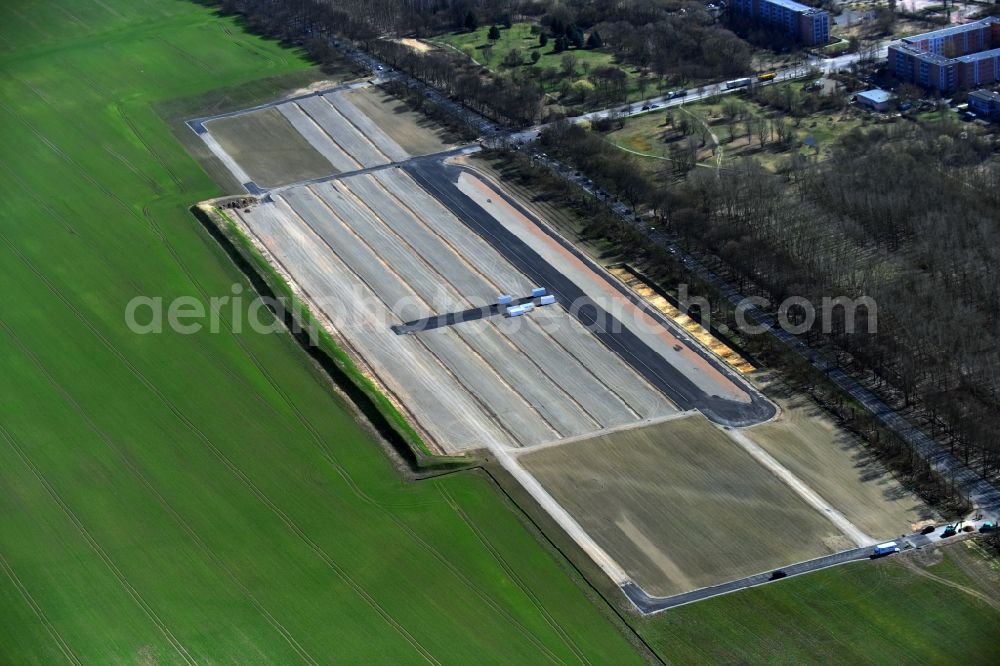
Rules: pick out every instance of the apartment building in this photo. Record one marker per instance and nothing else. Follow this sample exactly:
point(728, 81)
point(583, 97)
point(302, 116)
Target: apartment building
point(960, 56)
point(985, 104)
point(803, 23)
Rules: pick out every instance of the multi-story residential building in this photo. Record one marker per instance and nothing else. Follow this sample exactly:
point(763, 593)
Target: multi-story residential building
point(961, 56)
point(803, 23)
point(985, 104)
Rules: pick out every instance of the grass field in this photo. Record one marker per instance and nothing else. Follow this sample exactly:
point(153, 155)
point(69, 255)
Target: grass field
point(473, 44)
point(651, 138)
point(204, 498)
point(886, 612)
point(680, 506)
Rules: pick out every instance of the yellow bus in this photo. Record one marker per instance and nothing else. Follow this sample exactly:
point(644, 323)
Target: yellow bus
point(766, 76)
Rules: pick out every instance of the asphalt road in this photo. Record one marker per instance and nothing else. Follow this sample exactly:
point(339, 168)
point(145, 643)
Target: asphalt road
point(440, 180)
point(197, 125)
point(649, 605)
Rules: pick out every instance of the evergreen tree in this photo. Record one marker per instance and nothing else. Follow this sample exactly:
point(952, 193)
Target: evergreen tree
point(494, 33)
point(471, 22)
point(594, 41)
point(543, 39)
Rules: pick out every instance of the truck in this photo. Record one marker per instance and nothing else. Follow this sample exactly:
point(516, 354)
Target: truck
point(547, 300)
point(886, 548)
point(518, 310)
point(537, 291)
point(737, 83)
point(504, 299)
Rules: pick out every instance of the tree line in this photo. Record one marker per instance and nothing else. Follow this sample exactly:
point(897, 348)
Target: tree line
point(907, 214)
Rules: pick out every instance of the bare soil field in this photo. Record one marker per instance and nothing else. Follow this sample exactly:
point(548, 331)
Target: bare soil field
point(268, 148)
point(375, 250)
point(680, 505)
point(834, 463)
point(416, 134)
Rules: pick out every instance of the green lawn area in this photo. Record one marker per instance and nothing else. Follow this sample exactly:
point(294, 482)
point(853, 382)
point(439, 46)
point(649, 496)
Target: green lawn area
point(205, 498)
point(519, 36)
point(651, 137)
point(862, 613)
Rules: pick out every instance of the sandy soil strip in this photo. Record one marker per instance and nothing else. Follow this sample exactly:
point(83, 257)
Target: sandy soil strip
point(562, 517)
point(386, 144)
point(217, 150)
point(317, 137)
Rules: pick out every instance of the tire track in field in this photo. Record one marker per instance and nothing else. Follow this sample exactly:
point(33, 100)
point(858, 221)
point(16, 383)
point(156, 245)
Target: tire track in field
point(225, 460)
point(84, 173)
point(340, 469)
point(24, 19)
point(37, 610)
point(502, 562)
point(73, 18)
point(153, 225)
point(37, 198)
point(97, 548)
point(161, 500)
point(115, 351)
point(187, 55)
point(153, 185)
point(149, 148)
point(254, 50)
point(104, 94)
point(109, 9)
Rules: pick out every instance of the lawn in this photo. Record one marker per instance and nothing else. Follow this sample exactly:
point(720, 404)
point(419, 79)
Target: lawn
point(861, 613)
point(651, 137)
point(207, 497)
point(477, 46)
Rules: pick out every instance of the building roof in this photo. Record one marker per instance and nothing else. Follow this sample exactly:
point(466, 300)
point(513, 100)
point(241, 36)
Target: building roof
point(794, 6)
point(981, 55)
point(876, 95)
point(952, 30)
point(986, 95)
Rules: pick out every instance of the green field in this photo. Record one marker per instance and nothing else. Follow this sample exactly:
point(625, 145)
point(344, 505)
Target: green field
point(862, 613)
point(205, 498)
point(651, 138)
point(519, 36)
